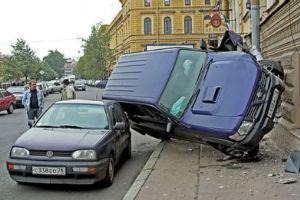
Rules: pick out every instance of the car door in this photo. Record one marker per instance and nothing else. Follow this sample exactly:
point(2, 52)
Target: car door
point(7, 99)
point(2, 102)
point(121, 117)
point(118, 116)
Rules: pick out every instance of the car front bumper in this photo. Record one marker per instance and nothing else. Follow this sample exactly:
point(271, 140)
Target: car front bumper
point(71, 177)
point(264, 113)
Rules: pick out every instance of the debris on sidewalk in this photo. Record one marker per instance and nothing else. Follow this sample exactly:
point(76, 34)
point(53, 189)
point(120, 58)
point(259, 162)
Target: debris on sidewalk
point(287, 181)
point(271, 175)
point(293, 163)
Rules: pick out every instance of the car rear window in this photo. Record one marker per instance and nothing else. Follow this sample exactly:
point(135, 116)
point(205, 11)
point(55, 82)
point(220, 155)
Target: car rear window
point(81, 115)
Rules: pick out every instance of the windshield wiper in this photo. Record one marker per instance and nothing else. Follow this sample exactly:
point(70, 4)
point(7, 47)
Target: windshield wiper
point(46, 126)
point(70, 126)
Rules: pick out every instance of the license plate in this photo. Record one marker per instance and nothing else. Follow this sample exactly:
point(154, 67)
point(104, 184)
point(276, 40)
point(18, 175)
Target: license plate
point(273, 103)
point(55, 171)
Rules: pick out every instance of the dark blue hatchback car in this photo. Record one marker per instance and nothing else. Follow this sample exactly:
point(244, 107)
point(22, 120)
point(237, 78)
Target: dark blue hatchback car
point(225, 99)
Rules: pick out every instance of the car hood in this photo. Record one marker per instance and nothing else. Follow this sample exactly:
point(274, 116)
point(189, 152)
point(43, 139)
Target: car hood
point(18, 95)
point(60, 139)
point(225, 93)
point(227, 86)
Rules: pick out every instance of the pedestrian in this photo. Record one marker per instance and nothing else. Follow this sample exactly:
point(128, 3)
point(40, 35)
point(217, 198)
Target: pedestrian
point(33, 101)
point(68, 91)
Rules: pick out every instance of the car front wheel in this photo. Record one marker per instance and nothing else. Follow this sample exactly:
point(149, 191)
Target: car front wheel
point(109, 178)
point(127, 151)
point(10, 109)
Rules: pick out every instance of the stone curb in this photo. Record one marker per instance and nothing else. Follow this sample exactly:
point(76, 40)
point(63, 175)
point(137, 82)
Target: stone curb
point(142, 177)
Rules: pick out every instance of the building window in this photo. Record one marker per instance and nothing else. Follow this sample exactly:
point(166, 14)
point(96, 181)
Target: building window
point(207, 2)
point(188, 25)
point(147, 26)
point(213, 40)
point(167, 25)
point(187, 2)
point(147, 2)
point(207, 17)
point(167, 2)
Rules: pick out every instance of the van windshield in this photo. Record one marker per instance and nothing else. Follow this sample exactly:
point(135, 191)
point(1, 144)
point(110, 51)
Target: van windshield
point(182, 82)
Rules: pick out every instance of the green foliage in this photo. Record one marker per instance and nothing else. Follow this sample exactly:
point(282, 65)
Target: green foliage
point(56, 61)
point(24, 58)
point(97, 55)
point(24, 63)
point(9, 69)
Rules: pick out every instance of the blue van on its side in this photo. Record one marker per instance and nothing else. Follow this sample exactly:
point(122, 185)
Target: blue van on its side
point(226, 99)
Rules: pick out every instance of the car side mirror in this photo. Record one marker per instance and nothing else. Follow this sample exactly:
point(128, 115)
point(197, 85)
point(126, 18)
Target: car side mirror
point(120, 126)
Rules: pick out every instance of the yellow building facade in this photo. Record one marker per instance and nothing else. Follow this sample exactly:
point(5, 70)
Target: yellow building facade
point(147, 24)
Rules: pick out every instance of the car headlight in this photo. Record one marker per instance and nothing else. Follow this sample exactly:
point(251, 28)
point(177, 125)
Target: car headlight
point(243, 131)
point(19, 152)
point(84, 155)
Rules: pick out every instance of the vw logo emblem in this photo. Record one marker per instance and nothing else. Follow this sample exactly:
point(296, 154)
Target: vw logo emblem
point(49, 154)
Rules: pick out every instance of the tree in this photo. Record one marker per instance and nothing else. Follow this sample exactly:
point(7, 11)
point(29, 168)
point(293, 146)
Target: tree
point(97, 55)
point(24, 58)
point(56, 61)
point(9, 69)
point(49, 73)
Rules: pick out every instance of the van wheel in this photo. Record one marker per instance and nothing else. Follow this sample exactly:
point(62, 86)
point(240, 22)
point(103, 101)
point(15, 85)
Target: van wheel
point(110, 172)
point(10, 109)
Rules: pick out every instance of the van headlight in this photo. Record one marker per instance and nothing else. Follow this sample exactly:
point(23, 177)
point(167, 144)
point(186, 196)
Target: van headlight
point(18, 152)
point(84, 155)
point(243, 131)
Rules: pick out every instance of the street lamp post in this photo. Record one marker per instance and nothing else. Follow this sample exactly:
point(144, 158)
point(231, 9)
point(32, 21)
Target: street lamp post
point(255, 37)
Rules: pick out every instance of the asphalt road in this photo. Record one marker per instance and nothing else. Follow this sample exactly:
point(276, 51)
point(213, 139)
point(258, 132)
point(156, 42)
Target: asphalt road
point(12, 126)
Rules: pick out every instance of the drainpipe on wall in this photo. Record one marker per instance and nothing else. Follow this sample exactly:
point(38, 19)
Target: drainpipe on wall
point(255, 22)
point(157, 38)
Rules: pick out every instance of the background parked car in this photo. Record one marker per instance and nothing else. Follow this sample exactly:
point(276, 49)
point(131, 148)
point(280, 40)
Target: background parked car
point(54, 86)
point(7, 101)
point(79, 85)
point(47, 88)
point(102, 84)
point(74, 142)
point(43, 88)
point(18, 92)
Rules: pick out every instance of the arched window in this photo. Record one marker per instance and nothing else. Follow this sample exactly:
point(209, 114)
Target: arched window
point(187, 2)
point(147, 26)
point(167, 25)
point(146, 2)
point(207, 17)
point(207, 2)
point(188, 25)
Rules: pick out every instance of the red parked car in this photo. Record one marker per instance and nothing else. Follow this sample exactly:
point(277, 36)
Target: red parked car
point(7, 101)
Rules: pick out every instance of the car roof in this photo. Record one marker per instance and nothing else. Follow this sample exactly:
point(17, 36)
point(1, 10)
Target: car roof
point(81, 101)
point(16, 87)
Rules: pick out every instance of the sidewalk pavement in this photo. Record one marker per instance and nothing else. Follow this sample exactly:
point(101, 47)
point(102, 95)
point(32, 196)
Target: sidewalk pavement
point(181, 170)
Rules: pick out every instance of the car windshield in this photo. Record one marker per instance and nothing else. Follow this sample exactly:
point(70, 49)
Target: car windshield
point(182, 82)
point(16, 90)
point(78, 83)
point(70, 115)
